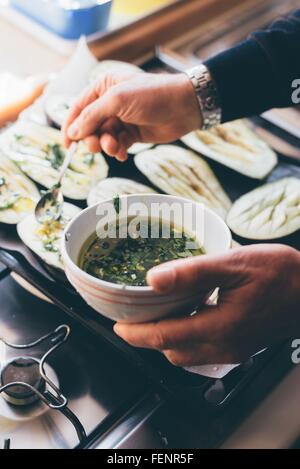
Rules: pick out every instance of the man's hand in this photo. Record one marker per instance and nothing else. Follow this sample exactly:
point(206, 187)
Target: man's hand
point(259, 305)
point(118, 111)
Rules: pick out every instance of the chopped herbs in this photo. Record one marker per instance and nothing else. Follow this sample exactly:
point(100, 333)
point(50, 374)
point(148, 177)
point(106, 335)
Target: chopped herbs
point(50, 234)
point(127, 261)
point(10, 201)
point(50, 246)
point(117, 204)
point(89, 159)
point(55, 155)
point(18, 137)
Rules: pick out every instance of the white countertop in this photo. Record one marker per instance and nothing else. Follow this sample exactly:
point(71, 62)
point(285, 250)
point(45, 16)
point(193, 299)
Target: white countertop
point(28, 49)
point(20, 53)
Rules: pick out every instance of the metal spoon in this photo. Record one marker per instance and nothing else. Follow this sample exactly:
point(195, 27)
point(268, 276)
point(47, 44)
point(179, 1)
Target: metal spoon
point(49, 207)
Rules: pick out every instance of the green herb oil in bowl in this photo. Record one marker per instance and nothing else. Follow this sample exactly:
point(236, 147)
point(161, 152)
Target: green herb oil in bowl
point(126, 261)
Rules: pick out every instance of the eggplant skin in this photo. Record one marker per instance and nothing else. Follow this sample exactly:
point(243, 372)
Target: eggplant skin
point(52, 123)
point(271, 211)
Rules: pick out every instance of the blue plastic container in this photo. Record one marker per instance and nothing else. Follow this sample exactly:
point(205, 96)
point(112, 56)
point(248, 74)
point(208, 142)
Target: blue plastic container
point(69, 19)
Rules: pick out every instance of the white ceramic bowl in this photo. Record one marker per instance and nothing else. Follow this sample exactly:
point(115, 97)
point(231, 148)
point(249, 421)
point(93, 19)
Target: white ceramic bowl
point(139, 304)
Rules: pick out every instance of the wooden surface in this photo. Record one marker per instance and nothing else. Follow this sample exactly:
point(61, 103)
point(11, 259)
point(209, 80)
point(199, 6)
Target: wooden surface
point(224, 30)
point(25, 55)
point(137, 40)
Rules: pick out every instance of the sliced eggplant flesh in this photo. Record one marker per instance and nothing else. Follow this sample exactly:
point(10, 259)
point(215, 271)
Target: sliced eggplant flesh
point(180, 172)
point(139, 147)
point(111, 187)
point(268, 212)
point(236, 146)
point(39, 153)
point(45, 239)
point(57, 108)
point(18, 195)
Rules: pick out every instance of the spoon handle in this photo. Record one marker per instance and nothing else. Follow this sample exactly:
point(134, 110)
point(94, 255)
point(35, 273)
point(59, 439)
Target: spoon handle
point(69, 155)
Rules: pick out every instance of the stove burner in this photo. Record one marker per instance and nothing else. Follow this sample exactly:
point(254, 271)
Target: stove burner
point(23, 413)
point(26, 380)
point(24, 370)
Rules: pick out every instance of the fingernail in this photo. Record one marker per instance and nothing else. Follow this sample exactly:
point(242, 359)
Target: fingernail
point(162, 279)
point(118, 330)
point(73, 131)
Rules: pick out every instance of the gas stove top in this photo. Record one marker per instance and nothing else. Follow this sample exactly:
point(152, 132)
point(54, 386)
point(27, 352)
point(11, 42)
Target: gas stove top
point(73, 383)
point(80, 392)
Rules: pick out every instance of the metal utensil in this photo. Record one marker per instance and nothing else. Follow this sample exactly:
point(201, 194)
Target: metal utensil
point(49, 207)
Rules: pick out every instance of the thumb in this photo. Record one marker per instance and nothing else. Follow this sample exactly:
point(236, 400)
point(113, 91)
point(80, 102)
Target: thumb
point(94, 115)
point(201, 272)
point(87, 97)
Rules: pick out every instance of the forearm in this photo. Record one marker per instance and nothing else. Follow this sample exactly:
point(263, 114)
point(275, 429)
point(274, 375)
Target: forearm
point(257, 74)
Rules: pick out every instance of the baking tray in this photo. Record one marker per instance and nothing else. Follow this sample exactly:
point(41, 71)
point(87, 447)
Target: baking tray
point(179, 383)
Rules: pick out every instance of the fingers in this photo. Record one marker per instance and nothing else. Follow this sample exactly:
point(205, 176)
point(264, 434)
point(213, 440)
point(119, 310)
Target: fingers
point(116, 138)
point(173, 333)
point(109, 144)
point(202, 272)
point(203, 354)
point(88, 96)
point(113, 147)
point(206, 354)
point(93, 143)
point(202, 339)
point(113, 142)
point(91, 117)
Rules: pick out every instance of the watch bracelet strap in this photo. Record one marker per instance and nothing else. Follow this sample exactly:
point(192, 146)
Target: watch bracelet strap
point(207, 95)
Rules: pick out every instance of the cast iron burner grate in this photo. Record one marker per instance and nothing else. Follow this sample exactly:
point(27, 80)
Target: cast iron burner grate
point(25, 381)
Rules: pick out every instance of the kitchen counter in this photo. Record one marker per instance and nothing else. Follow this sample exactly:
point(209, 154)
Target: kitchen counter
point(23, 55)
point(40, 58)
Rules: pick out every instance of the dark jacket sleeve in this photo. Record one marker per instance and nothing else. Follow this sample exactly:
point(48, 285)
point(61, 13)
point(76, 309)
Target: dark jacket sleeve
point(257, 74)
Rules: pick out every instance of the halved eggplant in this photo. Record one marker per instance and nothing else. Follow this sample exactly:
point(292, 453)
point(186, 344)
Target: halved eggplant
point(57, 108)
point(235, 145)
point(108, 66)
point(139, 147)
point(39, 153)
point(111, 187)
point(18, 195)
point(180, 172)
point(268, 212)
point(45, 239)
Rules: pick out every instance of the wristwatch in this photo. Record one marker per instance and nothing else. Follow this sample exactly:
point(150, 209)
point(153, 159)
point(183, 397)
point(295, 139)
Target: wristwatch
point(207, 94)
